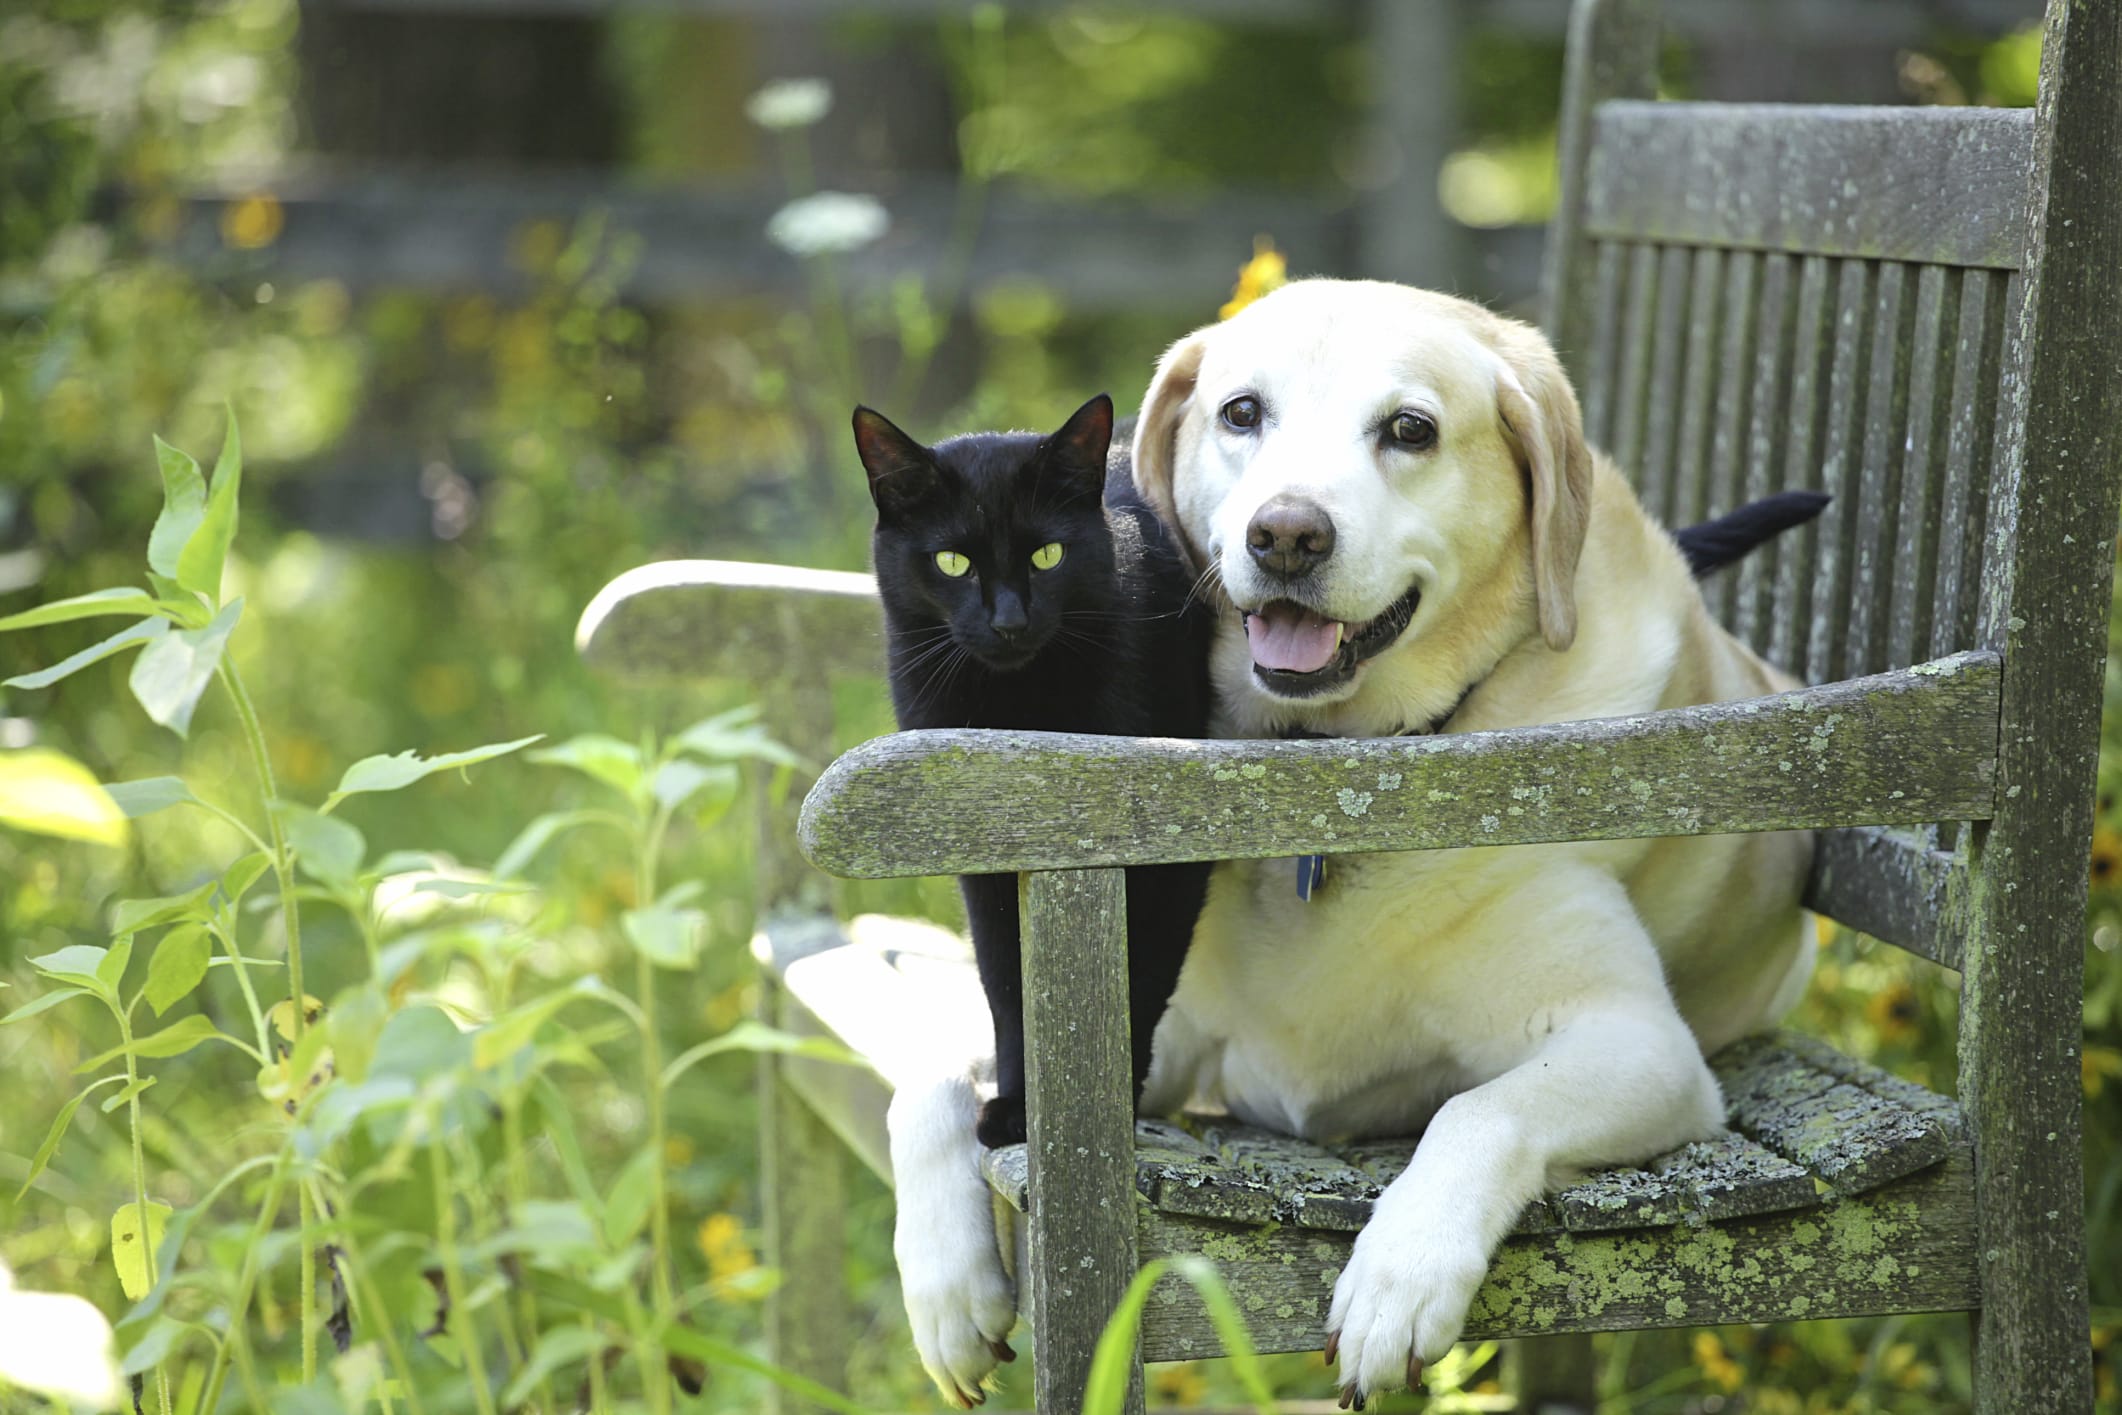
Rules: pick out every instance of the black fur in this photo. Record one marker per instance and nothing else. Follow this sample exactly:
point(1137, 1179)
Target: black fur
point(1711, 545)
point(1111, 641)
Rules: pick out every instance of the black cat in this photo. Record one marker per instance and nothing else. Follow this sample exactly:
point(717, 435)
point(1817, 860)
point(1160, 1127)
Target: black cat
point(1025, 585)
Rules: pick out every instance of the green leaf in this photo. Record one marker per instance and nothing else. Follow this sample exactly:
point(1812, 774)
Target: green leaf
point(734, 735)
point(557, 1349)
point(626, 1206)
point(395, 772)
point(757, 1037)
point(170, 677)
point(42, 1004)
point(178, 966)
point(183, 508)
point(151, 794)
point(677, 782)
point(199, 564)
point(76, 964)
point(326, 849)
point(132, 1088)
point(503, 1037)
point(111, 971)
point(174, 1040)
point(180, 603)
point(607, 759)
point(237, 879)
point(130, 916)
point(355, 1022)
point(49, 793)
point(53, 1136)
point(1112, 1364)
point(146, 631)
point(133, 1245)
point(668, 938)
point(122, 600)
point(534, 837)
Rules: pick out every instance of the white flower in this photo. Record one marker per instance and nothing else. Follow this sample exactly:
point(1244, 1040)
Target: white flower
point(790, 103)
point(827, 223)
point(57, 1346)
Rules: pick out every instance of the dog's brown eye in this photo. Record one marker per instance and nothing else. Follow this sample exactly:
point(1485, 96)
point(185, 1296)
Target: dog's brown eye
point(1415, 431)
point(1242, 413)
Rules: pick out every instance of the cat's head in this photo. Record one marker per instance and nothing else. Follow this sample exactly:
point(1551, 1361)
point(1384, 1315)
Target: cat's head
point(1000, 536)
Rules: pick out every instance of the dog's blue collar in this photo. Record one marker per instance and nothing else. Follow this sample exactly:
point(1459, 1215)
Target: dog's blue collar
point(1311, 869)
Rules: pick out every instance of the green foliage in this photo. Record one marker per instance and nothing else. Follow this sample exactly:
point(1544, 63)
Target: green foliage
point(405, 1118)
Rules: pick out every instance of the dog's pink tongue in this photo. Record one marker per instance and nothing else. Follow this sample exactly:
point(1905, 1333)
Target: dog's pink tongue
point(1294, 640)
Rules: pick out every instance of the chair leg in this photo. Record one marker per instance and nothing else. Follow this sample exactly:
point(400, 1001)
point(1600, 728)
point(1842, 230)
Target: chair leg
point(804, 1178)
point(1551, 1375)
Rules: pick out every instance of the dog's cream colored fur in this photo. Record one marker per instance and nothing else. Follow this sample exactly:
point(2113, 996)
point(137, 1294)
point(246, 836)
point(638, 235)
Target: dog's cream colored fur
point(1539, 1009)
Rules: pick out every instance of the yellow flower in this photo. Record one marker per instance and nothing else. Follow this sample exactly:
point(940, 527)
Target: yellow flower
point(253, 222)
point(722, 1244)
point(1715, 1362)
point(1894, 1012)
point(1824, 930)
point(1267, 270)
point(2106, 865)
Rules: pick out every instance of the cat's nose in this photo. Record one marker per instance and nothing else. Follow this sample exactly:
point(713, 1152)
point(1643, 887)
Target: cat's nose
point(1289, 536)
point(1008, 618)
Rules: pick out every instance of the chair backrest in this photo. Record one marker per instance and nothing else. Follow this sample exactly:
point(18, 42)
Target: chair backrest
point(1919, 311)
point(1764, 297)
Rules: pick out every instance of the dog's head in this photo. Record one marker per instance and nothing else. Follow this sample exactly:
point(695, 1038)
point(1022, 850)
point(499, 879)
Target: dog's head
point(1360, 463)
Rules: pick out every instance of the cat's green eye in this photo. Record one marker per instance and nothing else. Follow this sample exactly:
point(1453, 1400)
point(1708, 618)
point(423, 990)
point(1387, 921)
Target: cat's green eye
point(1047, 556)
point(951, 563)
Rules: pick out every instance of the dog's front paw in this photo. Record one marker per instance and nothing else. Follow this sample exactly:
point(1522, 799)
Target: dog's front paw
point(1399, 1305)
point(1001, 1122)
point(961, 1307)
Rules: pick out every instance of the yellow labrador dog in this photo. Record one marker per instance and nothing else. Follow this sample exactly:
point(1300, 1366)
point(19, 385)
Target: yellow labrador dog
point(1393, 488)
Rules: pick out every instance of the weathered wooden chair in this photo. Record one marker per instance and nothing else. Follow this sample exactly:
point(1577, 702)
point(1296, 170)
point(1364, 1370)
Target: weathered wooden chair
point(1918, 310)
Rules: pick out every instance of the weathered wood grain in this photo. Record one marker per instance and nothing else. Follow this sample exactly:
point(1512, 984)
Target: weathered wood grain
point(2048, 572)
point(1913, 184)
point(1875, 557)
point(702, 618)
point(1768, 425)
point(1841, 1131)
point(1909, 1246)
point(1900, 748)
point(1079, 1107)
point(1718, 486)
point(1812, 361)
point(1913, 556)
point(1612, 53)
point(1888, 884)
point(1842, 467)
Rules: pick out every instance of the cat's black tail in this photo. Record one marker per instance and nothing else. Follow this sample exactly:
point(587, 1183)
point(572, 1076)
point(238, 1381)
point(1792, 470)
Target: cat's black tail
point(1711, 545)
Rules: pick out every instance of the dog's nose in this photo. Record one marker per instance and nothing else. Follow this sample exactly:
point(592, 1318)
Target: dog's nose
point(1290, 536)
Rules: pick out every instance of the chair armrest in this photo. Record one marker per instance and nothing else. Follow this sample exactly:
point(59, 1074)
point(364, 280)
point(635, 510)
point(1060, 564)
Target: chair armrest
point(1901, 748)
point(691, 618)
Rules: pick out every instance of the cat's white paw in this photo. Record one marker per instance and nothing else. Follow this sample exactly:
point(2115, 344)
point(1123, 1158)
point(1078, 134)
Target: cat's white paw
point(960, 1302)
point(1401, 1300)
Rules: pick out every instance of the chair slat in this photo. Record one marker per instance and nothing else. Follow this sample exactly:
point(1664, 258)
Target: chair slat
point(1639, 312)
point(1915, 184)
point(1812, 357)
point(1877, 471)
point(1667, 367)
point(1596, 382)
point(1725, 464)
point(1769, 421)
point(1686, 500)
point(1841, 468)
point(1913, 555)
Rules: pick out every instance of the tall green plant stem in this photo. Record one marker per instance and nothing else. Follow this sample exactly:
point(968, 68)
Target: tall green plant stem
point(291, 922)
point(453, 1273)
point(655, 1375)
point(246, 1279)
point(132, 1115)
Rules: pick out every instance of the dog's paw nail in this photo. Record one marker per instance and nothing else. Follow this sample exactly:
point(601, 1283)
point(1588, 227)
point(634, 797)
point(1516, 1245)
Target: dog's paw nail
point(1002, 1351)
point(1414, 1373)
point(1348, 1394)
point(1332, 1353)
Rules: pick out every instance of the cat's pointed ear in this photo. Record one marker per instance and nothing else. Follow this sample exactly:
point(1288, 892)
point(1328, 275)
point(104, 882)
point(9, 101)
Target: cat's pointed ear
point(1080, 447)
point(902, 474)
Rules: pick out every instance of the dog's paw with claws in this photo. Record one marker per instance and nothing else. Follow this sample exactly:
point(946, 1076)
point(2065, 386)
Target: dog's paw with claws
point(1398, 1306)
point(961, 1313)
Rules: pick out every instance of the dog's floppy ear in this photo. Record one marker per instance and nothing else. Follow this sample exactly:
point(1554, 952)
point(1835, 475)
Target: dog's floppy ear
point(1157, 433)
point(1540, 417)
point(901, 472)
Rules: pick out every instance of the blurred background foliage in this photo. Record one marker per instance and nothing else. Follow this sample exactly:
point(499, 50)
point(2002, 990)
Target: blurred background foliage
point(443, 471)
